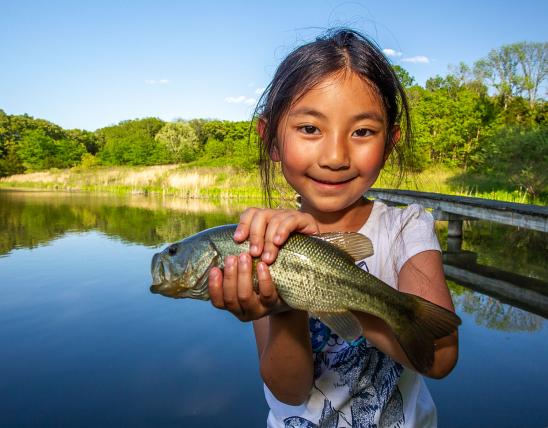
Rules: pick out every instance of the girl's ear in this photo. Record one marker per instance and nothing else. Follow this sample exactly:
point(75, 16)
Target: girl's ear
point(274, 151)
point(395, 138)
point(261, 126)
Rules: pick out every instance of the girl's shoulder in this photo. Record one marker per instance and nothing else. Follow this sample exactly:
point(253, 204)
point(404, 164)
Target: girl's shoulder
point(399, 218)
point(399, 233)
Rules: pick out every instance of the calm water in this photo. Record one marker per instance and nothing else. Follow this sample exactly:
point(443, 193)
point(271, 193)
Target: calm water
point(84, 343)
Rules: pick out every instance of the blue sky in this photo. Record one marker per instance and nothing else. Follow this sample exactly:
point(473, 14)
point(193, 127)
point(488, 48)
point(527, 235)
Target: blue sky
point(89, 64)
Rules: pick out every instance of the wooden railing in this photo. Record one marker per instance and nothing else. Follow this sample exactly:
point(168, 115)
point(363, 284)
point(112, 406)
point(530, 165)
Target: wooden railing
point(461, 266)
point(458, 208)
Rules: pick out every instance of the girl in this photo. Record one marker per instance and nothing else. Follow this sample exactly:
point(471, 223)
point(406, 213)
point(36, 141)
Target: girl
point(331, 117)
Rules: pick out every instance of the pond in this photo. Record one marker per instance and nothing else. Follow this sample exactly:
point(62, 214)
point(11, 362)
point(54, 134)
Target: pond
point(84, 342)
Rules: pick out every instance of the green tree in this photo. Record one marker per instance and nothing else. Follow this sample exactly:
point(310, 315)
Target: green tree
point(405, 78)
point(450, 118)
point(132, 142)
point(180, 141)
point(514, 70)
point(38, 151)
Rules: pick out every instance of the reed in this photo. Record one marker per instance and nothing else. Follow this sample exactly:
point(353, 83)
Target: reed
point(226, 182)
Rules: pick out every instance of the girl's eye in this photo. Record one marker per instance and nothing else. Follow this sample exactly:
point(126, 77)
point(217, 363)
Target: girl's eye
point(363, 132)
point(309, 129)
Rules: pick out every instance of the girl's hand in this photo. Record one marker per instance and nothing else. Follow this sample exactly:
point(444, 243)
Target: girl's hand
point(268, 229)
point(234, 291)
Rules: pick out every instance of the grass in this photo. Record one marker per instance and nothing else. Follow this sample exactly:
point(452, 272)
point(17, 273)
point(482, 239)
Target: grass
point(225, 182)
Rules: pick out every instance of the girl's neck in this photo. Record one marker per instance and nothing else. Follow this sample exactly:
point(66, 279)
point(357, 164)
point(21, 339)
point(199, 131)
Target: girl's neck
point(350, 219)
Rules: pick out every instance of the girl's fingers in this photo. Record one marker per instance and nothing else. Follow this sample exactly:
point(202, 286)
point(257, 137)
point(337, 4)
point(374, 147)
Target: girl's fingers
point(278, 231)
point(267, 291)
point(230, 286)
point(242, 230)
point(247, 298)
point(257, 229)
point(234, 291)
point(215, 287)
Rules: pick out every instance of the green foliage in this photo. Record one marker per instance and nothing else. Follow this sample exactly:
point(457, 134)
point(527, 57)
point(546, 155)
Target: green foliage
point(38, 151)
point(518, 157)
point(449, 118)
point(405, 78)
point(88, 161)
point(132, 142)
point(215, 149)
point(88, 139)
point(180, 141)
point(515, 70)
point(230, 143)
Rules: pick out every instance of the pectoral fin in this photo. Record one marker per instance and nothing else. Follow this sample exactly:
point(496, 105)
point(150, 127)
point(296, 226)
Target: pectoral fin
point(344, 323)
point(356, 245)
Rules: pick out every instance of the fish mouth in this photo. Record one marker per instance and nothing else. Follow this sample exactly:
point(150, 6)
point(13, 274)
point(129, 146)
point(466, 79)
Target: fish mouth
point(164, 281)
point(159, 269)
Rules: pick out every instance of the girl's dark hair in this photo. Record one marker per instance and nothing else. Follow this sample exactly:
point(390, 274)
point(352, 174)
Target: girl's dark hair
point(336, 51)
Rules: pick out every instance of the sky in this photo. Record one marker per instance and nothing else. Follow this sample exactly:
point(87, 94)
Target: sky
point(89, 64)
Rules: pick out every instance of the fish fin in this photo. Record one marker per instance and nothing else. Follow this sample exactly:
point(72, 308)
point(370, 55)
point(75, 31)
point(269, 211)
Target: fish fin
point(430, 322)
point(344, 323)
point(354, 244)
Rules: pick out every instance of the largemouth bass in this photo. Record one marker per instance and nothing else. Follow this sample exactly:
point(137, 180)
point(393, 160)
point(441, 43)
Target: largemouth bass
point(317, 274)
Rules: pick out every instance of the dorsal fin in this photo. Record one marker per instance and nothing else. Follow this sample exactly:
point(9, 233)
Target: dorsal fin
point(354, 244)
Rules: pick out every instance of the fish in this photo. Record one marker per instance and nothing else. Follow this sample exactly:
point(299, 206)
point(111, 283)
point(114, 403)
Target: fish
point(314, 273)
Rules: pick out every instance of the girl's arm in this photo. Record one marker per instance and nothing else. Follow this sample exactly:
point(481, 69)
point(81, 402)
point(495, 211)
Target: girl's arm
point(285, 355)
point(423, 276)
point(282, 337)
point(283, 340)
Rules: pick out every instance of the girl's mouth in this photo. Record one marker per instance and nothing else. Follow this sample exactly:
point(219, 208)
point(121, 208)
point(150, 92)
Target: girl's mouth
point(331, 182)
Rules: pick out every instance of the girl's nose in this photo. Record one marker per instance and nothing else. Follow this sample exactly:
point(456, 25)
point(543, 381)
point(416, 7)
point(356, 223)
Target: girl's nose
point(335, 153)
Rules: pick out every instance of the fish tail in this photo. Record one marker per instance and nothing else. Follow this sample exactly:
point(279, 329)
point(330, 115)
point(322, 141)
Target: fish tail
point(426, 323)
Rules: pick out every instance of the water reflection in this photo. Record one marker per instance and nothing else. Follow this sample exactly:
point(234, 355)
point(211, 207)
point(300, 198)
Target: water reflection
point(492, 313)
point(30, 219)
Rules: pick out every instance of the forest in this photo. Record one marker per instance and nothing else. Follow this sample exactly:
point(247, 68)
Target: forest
point(488, 121)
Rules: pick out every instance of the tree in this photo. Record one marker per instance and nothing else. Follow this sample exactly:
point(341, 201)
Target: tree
point(533, 60)
point(514, 70)
point(405, 78)
point(132, 142)
point(180, 141)
point(38, 151)
point(450, 117)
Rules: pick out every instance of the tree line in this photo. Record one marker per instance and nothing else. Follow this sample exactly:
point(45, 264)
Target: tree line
point(488, 118)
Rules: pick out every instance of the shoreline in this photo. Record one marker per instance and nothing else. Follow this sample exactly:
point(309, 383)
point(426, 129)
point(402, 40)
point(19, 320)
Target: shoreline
point(226, 182)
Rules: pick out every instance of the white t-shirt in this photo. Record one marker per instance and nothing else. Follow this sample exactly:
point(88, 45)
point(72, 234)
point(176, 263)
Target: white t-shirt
point(356, 385)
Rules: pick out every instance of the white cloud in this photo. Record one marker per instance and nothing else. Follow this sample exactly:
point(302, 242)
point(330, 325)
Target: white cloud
point(392, 53)
point(157, 82)
point(241, 99)
point(259, 91)
point(419, 59)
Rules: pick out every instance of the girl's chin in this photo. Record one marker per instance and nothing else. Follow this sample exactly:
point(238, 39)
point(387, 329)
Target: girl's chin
point(331, 204)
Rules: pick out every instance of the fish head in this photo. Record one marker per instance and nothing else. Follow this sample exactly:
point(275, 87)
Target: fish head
point(181, 269)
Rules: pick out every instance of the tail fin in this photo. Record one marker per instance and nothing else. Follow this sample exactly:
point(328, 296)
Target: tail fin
point(427, 323)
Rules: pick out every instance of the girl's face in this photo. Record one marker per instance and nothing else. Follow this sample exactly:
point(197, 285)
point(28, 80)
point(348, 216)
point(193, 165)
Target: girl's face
point(332, 143)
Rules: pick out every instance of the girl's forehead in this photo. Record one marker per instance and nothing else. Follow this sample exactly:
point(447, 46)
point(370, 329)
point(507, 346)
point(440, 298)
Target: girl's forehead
point(341, 88)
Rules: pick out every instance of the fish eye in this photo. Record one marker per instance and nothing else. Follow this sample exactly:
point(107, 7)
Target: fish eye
point(172, 250)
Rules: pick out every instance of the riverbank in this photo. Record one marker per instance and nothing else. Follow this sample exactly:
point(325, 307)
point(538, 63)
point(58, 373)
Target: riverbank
point(232, 183)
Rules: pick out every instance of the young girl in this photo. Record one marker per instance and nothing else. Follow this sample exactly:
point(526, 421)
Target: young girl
point(331, 116)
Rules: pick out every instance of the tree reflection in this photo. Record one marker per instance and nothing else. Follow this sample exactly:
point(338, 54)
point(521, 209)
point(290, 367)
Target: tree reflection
point(491, 313)
point(28, 219)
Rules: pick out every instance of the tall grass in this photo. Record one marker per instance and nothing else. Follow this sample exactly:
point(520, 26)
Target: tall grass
point(227, 182)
